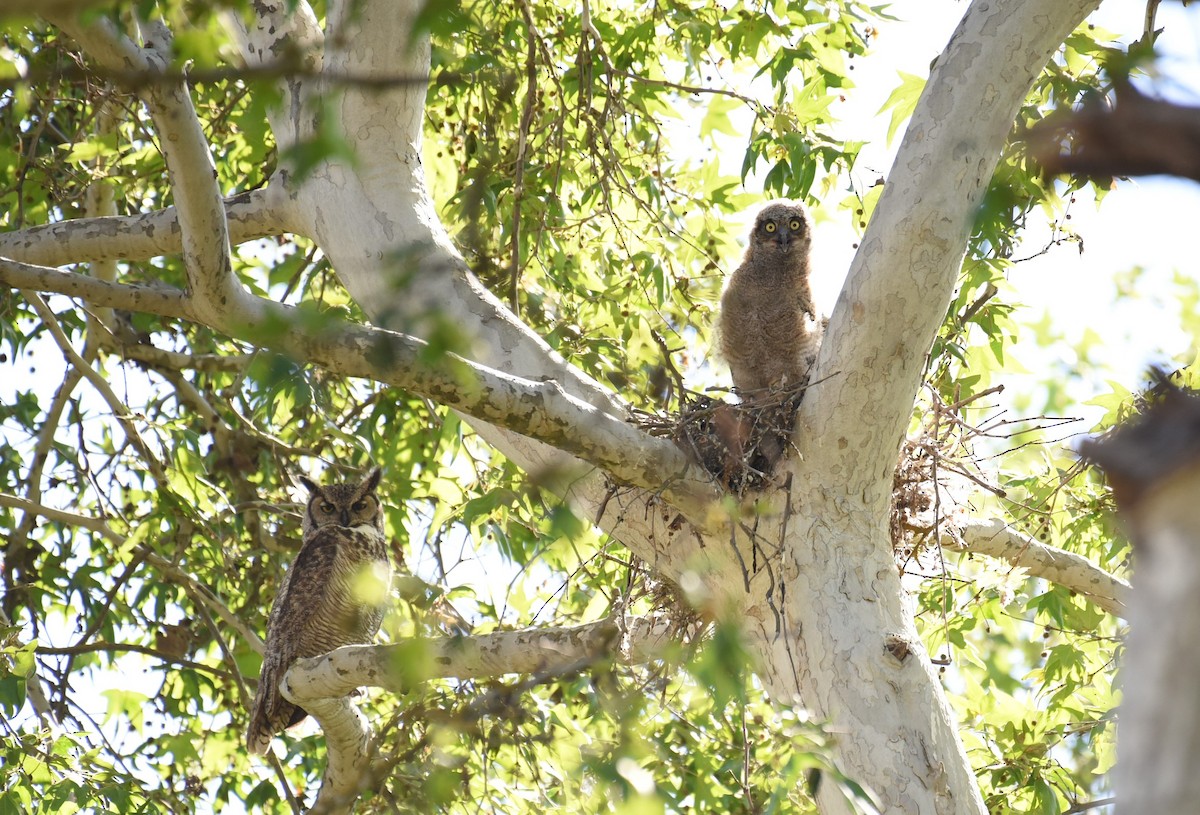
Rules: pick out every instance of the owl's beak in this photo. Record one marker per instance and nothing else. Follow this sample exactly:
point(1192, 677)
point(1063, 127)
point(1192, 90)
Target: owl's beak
point(345, 517)
point(785, 241)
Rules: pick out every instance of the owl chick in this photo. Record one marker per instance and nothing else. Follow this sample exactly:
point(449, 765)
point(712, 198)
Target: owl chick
point(768, 331)
point(333, 595)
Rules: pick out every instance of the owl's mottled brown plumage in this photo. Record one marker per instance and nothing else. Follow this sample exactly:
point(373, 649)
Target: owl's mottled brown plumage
point(333, 595)
point(768, 329)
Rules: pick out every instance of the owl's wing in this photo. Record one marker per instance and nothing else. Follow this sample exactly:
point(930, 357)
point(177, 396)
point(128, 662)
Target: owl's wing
point(301, 594)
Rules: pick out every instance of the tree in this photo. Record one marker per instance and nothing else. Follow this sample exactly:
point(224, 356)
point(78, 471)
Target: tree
point(292, 242)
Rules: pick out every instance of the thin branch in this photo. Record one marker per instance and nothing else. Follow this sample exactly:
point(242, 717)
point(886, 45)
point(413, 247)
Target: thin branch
point(1084, 806)
point(15, 552)
point(135, 648)
point(692, 89)
point(140, 80)
point(167, 569)
point(96, 525)
point(163, 359)
point(120, 410)
point(531, 95)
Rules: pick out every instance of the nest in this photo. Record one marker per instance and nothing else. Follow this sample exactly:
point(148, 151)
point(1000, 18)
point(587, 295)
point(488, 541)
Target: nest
point(913, 496)
point(739, 443)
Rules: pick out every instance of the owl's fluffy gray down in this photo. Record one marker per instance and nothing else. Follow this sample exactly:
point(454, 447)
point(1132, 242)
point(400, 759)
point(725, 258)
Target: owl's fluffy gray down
point(768, 331)
point(334, 594)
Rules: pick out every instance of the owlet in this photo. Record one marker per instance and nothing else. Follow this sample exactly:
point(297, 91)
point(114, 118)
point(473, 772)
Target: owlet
point(768, 331)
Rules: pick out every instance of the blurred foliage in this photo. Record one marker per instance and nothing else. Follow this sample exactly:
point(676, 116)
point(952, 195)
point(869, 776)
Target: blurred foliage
point(549, 148)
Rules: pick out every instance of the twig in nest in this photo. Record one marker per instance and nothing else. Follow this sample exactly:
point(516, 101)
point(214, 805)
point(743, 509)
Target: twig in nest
point(742, 443)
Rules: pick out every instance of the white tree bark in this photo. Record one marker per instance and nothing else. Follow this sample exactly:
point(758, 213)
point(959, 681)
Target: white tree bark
point(997, 539)
point(811, 573)
point(251, 215)
point(833, 645)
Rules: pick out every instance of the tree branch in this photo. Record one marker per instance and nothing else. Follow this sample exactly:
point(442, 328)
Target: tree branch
point(321, 685)
point(251, 215)
point(1137, 136)
point(542, 410)
point(165, 301)
point(62, 516)
point(997, 539)
point(398, 667)
point(135, 648)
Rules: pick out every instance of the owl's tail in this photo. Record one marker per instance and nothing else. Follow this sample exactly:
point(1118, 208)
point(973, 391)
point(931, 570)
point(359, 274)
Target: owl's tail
point(270, 713)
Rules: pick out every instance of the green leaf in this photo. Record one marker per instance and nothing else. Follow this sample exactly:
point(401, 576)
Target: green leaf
point(716, 116)
point(129, 704)
point(903, 101)
point(91, 149)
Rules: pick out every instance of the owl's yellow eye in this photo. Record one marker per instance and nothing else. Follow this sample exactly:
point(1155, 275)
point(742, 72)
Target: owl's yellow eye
point(795, 224)
point(770, 227)
point(327, 507)
point(359, 506)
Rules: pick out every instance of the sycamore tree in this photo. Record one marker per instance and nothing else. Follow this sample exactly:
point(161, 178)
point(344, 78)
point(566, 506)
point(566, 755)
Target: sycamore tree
point(462, 241)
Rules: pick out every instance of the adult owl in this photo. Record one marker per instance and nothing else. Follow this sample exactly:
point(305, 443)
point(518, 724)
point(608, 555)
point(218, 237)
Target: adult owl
point(333, 595)
point(768, 330)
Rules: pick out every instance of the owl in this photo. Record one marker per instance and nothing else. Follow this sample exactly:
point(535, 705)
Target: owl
point(768, 331)
point(333, 595)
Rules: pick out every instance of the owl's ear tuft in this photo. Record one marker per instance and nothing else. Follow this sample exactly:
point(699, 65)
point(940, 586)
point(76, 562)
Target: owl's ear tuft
point(312, 486)
point(371, 482)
